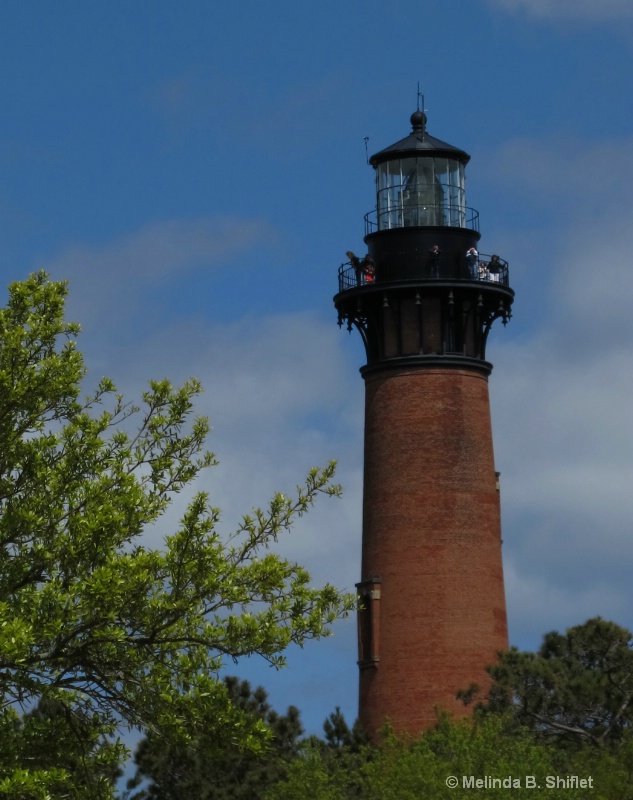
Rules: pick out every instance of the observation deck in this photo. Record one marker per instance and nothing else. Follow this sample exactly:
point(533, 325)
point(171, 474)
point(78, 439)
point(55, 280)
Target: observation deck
point(426, 268)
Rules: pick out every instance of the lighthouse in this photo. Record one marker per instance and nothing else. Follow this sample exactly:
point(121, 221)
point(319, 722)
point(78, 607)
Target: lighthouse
point(431, 612)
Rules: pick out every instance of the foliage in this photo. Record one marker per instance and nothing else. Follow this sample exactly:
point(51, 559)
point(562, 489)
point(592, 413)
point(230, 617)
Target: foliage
point(611, 769)
point(93, 621)
point(39, 750)
point(332, 763)
point(340, 737)
point(577, 689)
point(404, 769)
point(210, 768)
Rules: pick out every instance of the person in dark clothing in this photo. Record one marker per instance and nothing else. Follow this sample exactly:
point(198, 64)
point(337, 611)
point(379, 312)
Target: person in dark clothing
point(363, 267)
point(472, 259)
point(434, 260)
point(495, 268)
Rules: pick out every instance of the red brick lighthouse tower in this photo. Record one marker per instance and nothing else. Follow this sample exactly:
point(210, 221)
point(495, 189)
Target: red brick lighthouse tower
point(432, 610)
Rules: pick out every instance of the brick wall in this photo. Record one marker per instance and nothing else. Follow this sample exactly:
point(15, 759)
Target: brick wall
point(432, 537)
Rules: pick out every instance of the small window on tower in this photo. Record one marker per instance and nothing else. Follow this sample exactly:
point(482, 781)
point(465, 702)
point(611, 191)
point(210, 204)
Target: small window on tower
point(368, 622)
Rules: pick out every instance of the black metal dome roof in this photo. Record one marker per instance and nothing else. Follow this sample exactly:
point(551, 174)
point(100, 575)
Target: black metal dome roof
point(418, 143)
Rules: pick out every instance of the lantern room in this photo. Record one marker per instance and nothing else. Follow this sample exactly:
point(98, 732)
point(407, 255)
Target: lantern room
point(421, 227)
point(420, 182)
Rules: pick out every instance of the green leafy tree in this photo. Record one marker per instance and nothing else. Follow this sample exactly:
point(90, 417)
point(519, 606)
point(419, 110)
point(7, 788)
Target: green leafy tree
point(610, 768)
point(38, 751)
point(91, 620)
point(577, 689)
point(561, 712)
point(406, 769)
point(337, 758)
point(210, 768)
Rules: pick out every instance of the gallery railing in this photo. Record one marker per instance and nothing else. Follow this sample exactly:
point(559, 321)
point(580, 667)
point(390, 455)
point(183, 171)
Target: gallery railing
point(412, 215)
point(487, 269)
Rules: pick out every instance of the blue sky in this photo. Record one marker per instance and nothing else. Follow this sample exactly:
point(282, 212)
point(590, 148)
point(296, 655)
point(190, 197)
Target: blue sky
point(197, 171)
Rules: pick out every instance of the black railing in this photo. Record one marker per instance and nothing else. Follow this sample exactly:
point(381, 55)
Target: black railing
point(411, 215)
point(487, 269)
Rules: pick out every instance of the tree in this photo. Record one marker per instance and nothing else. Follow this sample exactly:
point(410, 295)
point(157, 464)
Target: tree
point(212, 769)
point(578, 688)
point(40, 749)
point(339, 736)
point(114, 633)
point(564, 711)
point(406, 769)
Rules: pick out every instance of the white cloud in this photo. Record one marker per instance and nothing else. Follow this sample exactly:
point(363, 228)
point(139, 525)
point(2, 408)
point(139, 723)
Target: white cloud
point(561, 396)
point(280, 390)
point(595, 283)
point(108, 280)
point(588, 176)
point(283, 393)
point(282, 396)
point(578, 9)
point(538, 604)
point(564, 446)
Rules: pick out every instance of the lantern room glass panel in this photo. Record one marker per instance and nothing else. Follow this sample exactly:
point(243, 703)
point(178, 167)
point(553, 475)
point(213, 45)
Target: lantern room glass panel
point(420, 191)
point(389, 205)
